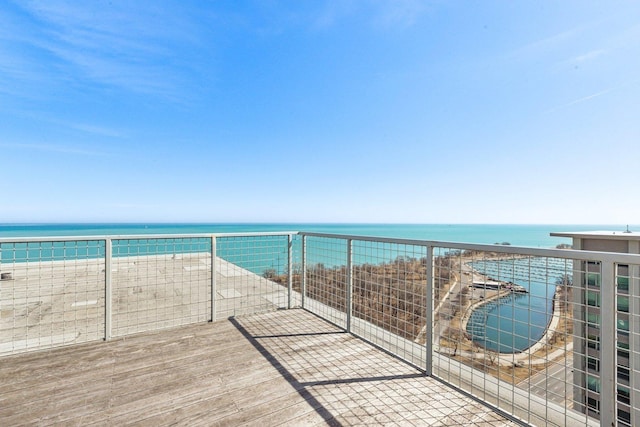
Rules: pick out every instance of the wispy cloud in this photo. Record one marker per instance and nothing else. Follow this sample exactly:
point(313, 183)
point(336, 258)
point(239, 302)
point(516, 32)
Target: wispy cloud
point(578, 61)
point(53, 148)
point(97, 130)
point(136, 47)
point(88, 128)
point(589, 56)
point(537, 48)
point(38, 119)
point(382, 14)
point(398, 13)
point(332, 12)
point(579, 100)
point(593, 95)
point(584, 43)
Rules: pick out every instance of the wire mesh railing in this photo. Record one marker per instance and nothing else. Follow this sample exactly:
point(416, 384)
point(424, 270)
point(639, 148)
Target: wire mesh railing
point(51, 293)
point(548, 336)
point(159, 283)
point(61, 291)
point(252, 274)
point(544, 335)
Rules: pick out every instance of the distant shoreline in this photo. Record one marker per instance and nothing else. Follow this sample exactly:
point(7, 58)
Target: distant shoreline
point(536, 235)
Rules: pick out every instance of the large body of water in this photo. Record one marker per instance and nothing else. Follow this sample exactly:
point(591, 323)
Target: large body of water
point(518, 235)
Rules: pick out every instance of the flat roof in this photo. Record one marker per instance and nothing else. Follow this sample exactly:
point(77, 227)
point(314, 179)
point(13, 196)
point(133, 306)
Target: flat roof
point(617, 235)
point(283, 367)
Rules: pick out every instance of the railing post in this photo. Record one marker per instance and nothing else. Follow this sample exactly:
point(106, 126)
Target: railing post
point(349, 307)
point(303, 273)
point(429, 316)
point(608, 363)
point(289, 270)
point(108, 292)
point(213, 278)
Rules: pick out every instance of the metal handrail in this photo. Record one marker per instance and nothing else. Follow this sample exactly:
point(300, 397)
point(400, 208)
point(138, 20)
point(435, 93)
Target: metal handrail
point(581, 255)
point(141, 236)
point(607, 260)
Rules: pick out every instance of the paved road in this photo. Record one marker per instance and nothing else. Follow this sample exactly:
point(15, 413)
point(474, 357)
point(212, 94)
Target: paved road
point(554, 383)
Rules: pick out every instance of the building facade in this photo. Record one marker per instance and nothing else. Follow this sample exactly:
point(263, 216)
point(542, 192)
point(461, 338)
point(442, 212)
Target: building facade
point(587, 285)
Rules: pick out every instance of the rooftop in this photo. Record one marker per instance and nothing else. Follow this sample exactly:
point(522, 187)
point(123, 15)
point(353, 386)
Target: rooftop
point(622, 235)
point(285, 367)
point(307, 328)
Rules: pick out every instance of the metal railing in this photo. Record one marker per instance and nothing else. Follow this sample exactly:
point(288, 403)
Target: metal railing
point(68, 290)
point(549, 336)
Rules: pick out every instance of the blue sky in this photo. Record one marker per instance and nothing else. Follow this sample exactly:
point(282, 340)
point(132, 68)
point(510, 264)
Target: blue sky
point(320, 111)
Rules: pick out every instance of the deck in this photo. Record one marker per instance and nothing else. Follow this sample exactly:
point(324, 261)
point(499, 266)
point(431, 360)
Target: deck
point(286, 367)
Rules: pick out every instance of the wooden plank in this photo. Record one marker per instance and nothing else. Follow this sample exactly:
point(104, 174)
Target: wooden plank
point(166, 374)
point(281, 368)
point(130, 364)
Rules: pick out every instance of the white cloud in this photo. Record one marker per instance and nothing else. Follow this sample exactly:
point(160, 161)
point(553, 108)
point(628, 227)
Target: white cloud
point(592, 96)
point(398, 13)
point(382, 14)
point(97, 130)
point(580, 60)
point(589, 56)
point(52, 148)
point(133, 46)
point(333, 11)
point(541, 47)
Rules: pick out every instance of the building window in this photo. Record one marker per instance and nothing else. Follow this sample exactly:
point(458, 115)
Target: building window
point(593, 279)
point(623, 304)
point(593, 383)
point(622, 277)
point(623, 349)
point(593, 364)
point(624, 396)
point(593, 275)
point(593, 319)
point(623, 325)
point(624, 416)
point(593, 404)
point(593, 298)
point(623, 373)
point(593, 341)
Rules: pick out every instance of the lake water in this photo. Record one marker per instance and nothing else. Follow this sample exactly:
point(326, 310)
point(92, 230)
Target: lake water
point(518, 235)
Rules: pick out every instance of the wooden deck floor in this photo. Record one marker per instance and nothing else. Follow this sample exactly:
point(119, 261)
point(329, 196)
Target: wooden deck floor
point(280, 368)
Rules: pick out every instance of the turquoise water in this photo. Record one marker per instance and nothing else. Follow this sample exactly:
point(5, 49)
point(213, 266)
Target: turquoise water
point(518, 235)
point(536, 235)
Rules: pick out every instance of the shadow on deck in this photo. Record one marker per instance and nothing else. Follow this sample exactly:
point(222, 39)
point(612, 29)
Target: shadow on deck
point(281, 368)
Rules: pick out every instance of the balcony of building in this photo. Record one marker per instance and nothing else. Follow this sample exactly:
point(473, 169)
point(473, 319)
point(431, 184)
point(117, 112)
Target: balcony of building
point(306, 329)
point(287, 367)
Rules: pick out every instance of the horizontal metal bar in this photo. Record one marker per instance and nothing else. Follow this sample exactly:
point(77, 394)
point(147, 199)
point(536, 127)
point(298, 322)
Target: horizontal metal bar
point(516, 250)
point(258, 234)
point(141, 237)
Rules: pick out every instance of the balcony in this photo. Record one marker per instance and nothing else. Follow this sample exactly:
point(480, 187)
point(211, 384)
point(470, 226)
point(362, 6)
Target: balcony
point(285, 367)
point(305, 328)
